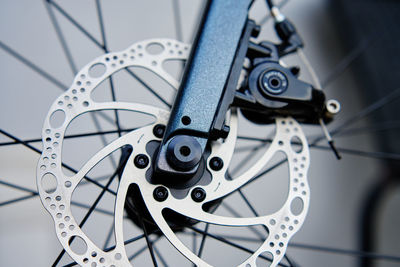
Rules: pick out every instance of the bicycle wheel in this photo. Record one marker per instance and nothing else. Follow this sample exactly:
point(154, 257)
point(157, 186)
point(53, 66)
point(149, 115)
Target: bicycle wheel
point(98, 227)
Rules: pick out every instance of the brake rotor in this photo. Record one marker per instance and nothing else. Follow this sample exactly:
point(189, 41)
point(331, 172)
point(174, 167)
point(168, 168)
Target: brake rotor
point(77, 100)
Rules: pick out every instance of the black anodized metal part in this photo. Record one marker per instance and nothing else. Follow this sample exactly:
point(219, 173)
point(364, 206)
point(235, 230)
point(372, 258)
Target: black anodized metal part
point(204, 81)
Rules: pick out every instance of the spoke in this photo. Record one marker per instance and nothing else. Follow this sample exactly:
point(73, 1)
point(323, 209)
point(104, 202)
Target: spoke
point(85, 206)
point(72, 64)
point(145, 232)
point(364, 112)
point(35, 194)
point(352, 56)
point(63, 164)
point(162, 259)
point(246, 149)
point(103, 47)
point(69, 136)
point(236, 214)
point(112, 247)
point(61, 38)
point(194, 241)
point(377, 155)
point(75, 23)
point(90, 211)
point(149, 88)
point(356, 253)
point(379, 127)
point(104, 39)
point(143, 249)
point(103, 139)
point(21, 188)
point(109, 235)
point(32, 66)
point(149, 243)
point(276, 165)
point(223, 240)
point(15, 200)
point(42, 73)
point(203, 240)
point(255, 213)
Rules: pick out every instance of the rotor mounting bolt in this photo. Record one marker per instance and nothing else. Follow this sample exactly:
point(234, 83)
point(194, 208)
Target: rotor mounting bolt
point(160, 193)
point(159, 130)
point(141, 161)
point(198, 194)
point(216, 163)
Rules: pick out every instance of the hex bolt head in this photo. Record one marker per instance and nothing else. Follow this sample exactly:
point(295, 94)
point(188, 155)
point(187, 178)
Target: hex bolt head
point(159, 130)
point(216, 163)
point(198, 194)
point(141, 161)
point(160, 193)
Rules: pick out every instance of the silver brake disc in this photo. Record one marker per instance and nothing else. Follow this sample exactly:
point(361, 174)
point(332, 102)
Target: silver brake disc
point(77, 100)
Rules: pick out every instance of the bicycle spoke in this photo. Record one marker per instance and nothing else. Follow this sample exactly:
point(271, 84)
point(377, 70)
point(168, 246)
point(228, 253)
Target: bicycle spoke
point(109, 235)
point(75, 23)
point(236, 214)
point(72, 64)
point(255, 213)
point(377, 155)
point(21, 188)
point(343, 64)
point(33, 67)
point(148, 242)
point(365, 112)
point(149, 88)
point(111, 82)
point(105, 49)
point(63, 164)
point(223, 240)
point(380, 127)
point(69, 136)
point(15, 200)
point(203, 240)
point(61, 38)
point(143, 249)
point(356, 253)
point(163, 261)
point(90, 211)
point(36, 194)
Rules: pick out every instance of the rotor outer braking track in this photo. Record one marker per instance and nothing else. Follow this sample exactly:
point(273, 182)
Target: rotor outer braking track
point(77, 100)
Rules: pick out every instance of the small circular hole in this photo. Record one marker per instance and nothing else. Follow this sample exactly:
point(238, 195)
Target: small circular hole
point(274, 82)
point(186, 120)
point(185, 151)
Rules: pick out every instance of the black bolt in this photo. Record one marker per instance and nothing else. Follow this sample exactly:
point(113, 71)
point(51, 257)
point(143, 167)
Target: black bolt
point(160, 193)
point(216, 163)
point(159, 130)
point(198, 194)
point(141, 161)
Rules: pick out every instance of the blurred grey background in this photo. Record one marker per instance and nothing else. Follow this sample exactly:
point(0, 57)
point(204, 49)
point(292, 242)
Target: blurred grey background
point(339, 188)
